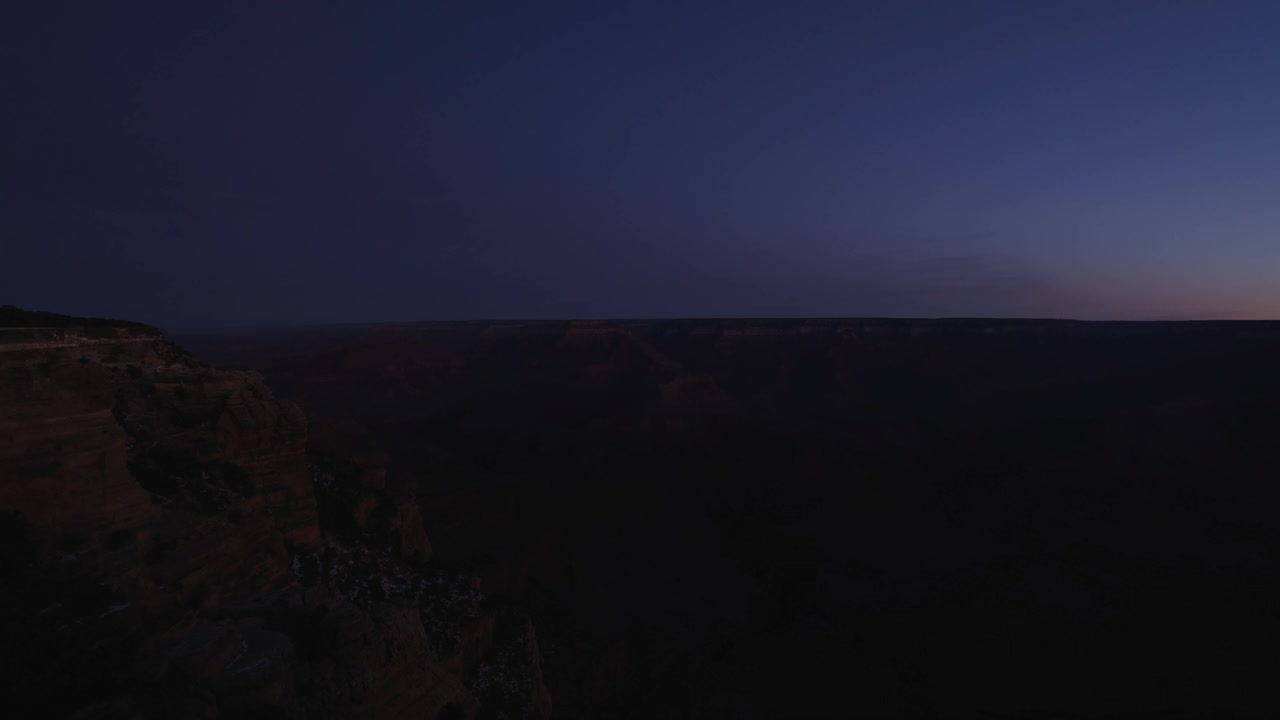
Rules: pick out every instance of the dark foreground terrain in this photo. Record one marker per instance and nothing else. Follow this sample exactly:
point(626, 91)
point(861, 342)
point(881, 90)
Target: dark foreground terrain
point(640, 519)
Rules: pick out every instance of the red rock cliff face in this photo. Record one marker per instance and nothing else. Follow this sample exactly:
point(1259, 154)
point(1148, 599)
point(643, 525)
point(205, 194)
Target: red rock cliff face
point(142, 487)
point(126, 442)
point(153, 517)
point(63, 455)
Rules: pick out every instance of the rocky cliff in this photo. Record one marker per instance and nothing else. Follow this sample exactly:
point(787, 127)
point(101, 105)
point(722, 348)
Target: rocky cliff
point(164, 553)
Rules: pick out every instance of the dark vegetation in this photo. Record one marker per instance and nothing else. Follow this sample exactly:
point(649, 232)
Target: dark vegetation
point(338, 492)
point(362, 563)
point(15, 317)
point(503, 681)
point(202, 487)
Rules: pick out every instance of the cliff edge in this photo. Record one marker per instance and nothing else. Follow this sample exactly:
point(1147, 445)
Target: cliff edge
point(159, 522)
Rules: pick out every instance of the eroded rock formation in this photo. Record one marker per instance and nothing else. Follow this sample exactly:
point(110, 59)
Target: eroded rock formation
point(164, 556)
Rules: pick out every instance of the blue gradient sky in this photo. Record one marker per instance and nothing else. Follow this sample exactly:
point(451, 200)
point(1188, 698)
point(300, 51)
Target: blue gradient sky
point(193, 165)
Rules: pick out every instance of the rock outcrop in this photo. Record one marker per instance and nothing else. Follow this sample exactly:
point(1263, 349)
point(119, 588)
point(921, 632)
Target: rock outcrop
point(162, 547)
point(191, 481)
point(413, 541)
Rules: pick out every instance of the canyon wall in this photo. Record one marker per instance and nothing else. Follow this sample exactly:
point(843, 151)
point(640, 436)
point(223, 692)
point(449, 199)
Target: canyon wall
point(159, 518)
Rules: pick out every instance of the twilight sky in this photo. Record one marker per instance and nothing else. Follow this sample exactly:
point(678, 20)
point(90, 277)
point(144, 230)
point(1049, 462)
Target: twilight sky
point(198, 164)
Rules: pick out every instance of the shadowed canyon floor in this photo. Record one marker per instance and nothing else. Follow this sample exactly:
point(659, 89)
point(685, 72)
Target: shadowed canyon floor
point(778, 518)
point(608, 519)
